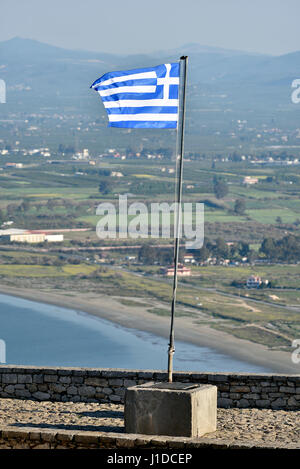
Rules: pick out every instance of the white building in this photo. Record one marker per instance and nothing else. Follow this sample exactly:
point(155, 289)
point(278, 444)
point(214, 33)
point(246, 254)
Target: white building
point(54, 238)
point(253, 281)
point(189, 259)
point(250, 180)
point(27, 238)
point(182, 271)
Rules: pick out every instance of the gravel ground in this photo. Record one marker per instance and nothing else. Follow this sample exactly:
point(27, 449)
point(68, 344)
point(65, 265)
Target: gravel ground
point(242, 425)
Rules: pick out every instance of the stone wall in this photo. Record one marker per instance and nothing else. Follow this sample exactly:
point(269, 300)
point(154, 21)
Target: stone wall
point(108, 385)
point(39, 438)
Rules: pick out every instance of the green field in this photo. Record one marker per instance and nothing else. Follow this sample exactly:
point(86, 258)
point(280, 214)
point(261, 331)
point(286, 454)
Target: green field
point(66, 195)
point(29, 271)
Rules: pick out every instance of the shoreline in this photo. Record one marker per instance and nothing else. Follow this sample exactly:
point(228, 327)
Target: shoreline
point(138, 318)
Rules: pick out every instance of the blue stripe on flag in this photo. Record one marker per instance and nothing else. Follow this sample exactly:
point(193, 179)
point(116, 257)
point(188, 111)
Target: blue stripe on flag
point(143, 110)
point(144, 124)
point(174, 92)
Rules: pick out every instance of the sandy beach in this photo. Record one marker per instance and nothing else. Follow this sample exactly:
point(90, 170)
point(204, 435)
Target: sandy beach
point(137, 317)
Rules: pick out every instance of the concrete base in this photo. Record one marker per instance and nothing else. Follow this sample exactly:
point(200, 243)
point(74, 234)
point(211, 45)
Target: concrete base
point(174, 409)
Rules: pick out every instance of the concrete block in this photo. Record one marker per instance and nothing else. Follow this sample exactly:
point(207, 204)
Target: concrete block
point(173, 409)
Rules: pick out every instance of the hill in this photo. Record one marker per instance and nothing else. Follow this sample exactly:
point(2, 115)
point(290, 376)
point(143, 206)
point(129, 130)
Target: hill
point(224, 85)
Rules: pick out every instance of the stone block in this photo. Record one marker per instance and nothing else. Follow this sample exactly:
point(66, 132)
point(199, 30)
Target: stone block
point(96, 382)
point(41, 396)
point(279, 403)
point(114, 373)
point(129, 382)
point(173, 409)
point(107, 391)
point(57, 388)
point(243, 403)
point(24, 379)
point(22, 393)
point(292, 402)
point(65, 379)
point(114, 398)
point(42, 387)
point(86, 391)
point(115, 382)
point(9, 378)
point(19, 386)
point(72, 390)
point(145, 375)
point(160, 376)
point(50, 378)
point(10, 389)
point(225, 403)
point(38, 379)
point(120, 392)
point(240, 389)
point(77, 379)
point(287, 389)
point(263, 403)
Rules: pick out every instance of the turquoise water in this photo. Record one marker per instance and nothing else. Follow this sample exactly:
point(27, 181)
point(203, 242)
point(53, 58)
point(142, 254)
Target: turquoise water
point(46, 335)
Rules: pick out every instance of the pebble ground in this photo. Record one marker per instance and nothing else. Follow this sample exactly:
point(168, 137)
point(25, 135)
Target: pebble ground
point(240, 425)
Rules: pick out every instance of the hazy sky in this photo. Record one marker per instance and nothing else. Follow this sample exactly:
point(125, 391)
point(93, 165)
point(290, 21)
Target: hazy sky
point(130, 26)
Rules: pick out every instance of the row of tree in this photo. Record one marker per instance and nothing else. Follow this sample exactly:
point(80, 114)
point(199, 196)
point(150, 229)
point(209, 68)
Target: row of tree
point(221, 250)
point(150, 255)
point(286, 249)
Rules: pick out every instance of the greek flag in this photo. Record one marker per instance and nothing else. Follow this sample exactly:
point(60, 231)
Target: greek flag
point(141, 98)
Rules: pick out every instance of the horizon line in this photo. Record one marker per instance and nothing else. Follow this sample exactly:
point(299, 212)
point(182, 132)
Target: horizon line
point(167, 50)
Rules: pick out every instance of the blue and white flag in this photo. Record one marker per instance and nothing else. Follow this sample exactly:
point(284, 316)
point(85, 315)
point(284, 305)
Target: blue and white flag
point(141, 98)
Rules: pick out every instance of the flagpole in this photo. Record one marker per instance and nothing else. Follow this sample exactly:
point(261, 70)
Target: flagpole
point(180, 139)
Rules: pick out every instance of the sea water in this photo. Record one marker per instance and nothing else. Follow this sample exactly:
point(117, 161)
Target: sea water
point(45, 335)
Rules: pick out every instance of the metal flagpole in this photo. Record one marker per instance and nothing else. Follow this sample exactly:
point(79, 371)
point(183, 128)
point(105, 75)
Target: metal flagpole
point(180, 138)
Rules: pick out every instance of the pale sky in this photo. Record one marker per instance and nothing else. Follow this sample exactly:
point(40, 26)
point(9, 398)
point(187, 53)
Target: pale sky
point(143, 26)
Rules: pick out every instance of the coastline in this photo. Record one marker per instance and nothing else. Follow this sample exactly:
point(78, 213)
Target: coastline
point(138, 318)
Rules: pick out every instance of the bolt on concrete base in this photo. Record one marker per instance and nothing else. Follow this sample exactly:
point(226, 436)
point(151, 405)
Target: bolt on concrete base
point(173, 409)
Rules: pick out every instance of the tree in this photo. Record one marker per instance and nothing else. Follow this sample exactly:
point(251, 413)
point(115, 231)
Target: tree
point(220, 187)
point(51, 204)
point(252, 255)
point(11, 209)
point(202, 254)
point(244, 249)
point(104, 172)
point(24, 207)
point(105, 187)
point(147, 254)
point(269, 248)
point(239, 207)
point(166, 256)
point(221, 248)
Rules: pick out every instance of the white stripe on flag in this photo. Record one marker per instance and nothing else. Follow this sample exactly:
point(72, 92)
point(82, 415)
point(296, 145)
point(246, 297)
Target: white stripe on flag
point(127, 89)
point(168, 80)
point(142, 117)
point(140, 103)
point(133, 76)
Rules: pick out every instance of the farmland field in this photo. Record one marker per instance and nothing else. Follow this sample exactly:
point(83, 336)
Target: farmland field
point(66, 195)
